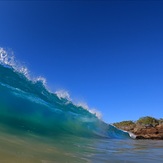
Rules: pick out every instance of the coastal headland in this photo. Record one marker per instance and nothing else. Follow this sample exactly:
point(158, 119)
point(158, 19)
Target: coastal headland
point(144, 128)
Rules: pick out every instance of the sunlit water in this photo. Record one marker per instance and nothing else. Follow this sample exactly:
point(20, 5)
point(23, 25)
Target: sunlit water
point(29, 148)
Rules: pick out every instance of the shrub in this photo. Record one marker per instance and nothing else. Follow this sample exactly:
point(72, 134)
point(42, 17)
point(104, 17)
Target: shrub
point(124, 123)
point(161, 121)
point(147, 121)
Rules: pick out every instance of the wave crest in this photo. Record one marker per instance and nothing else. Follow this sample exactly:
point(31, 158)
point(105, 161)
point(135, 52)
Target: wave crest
point(6, 59)
point(91, 110)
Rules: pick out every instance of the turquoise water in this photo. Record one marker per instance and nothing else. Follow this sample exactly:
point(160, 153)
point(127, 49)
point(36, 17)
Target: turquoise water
point(37, 125)
point(32, 148)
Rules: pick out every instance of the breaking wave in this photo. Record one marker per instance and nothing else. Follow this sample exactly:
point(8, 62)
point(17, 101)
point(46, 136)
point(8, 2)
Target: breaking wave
point(26, 105)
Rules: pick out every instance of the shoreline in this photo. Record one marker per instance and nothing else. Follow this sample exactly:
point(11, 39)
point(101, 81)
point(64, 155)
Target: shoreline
point(144, 128)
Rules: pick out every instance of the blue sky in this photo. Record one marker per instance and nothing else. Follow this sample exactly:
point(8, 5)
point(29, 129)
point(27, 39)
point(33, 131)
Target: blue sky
point(108, 54)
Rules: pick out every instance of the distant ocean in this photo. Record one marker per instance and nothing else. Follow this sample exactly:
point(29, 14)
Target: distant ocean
point(39, 126)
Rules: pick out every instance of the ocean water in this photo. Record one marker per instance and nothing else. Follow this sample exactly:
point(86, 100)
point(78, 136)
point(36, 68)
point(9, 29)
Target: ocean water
point(38, 126)
point(70, 149)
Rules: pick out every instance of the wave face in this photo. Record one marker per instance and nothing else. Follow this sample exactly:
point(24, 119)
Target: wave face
point(28, 106)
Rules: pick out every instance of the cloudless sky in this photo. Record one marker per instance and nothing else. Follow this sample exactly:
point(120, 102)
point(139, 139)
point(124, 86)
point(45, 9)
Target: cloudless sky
point(108, 54)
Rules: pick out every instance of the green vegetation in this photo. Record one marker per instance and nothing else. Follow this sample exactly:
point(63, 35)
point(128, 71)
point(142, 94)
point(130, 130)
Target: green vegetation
point(143, 121)
point(124, 123)
point(161, 121)
point(147, 121)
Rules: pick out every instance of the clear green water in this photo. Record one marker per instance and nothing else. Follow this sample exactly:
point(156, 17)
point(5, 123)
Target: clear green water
point(30, 148)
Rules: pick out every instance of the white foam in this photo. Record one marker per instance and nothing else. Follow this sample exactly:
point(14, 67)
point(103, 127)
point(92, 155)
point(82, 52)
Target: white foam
point(132, 135)
point(24, 71)
point(63, 94)
point(7, 59)
point(41, 79)
point(91, 110)
point(96, 112)
point(3, 54)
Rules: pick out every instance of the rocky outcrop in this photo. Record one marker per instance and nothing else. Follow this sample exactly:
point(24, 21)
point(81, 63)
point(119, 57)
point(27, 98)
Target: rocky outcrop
point(149, 132)
point(145, 132)
point(144, 128)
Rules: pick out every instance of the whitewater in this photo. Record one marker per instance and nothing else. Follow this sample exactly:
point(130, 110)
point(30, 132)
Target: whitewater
point(37, 125)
